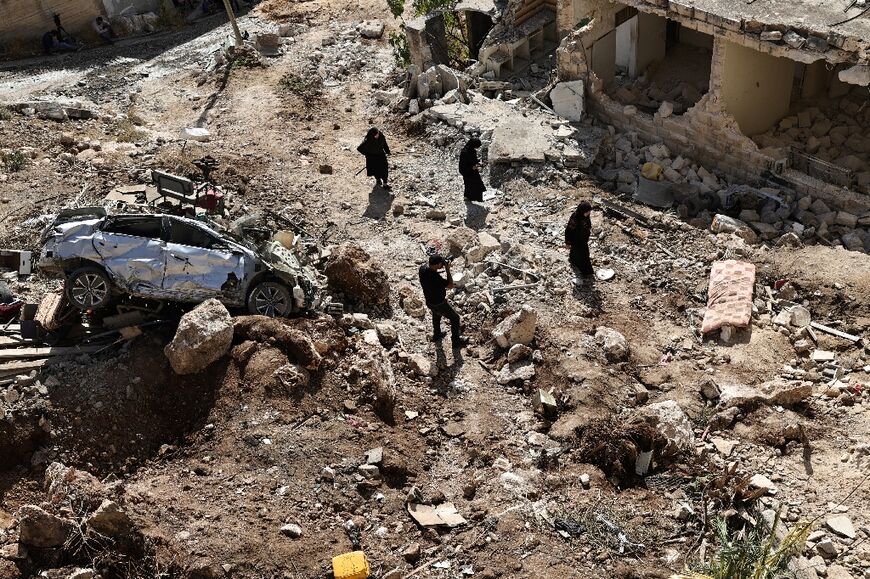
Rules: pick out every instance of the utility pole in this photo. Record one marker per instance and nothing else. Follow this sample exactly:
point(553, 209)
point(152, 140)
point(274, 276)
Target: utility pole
point(232, 16)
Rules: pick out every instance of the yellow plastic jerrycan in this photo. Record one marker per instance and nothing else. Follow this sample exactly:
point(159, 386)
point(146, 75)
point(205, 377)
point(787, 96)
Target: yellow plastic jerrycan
point(352, 565)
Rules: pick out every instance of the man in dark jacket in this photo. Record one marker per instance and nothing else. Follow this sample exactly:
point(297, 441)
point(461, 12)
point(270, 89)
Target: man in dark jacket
point(375, 149)
point(577, 234)
point(435, 291)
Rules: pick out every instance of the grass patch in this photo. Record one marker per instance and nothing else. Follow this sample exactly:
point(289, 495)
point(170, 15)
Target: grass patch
point(306, 88)
point(127, 132)
point(751, 553)
point(14, 161)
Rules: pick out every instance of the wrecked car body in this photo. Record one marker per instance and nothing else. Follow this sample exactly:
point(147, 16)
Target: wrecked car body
point(166, 257)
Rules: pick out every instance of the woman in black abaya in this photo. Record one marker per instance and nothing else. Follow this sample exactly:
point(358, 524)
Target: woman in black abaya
point(469, 168)
point(375, 149)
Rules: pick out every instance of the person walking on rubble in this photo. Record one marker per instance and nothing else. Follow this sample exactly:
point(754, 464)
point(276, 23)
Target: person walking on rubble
point(375, 149)
point(577, 234)
point(435, 292)
point(469, 168)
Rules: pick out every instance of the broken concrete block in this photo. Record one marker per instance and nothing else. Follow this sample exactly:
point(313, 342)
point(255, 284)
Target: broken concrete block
point(793, 39)
point(771, 35)
point(268, 44)
point(372, 29)
point(568, 100)
point(518, 328)
point(858, 74)
point(846, 219)
point(672, 423)
point(427, 40)
point(203, 336)
point(725, 224)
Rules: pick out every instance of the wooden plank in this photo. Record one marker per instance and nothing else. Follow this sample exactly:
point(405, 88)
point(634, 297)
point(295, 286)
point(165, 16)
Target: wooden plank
point(24, 353)
point(833, 332)
point(13, 341)
point(13, 368)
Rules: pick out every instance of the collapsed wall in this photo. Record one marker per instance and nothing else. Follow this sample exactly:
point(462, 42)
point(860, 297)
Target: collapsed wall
point(751, 73)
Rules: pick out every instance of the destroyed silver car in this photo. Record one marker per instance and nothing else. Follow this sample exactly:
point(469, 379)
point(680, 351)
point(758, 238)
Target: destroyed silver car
point(166, 257)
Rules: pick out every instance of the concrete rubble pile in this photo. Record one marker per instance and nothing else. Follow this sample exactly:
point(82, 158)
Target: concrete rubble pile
point(834, 131)
point(770, 213)
point(650, 96)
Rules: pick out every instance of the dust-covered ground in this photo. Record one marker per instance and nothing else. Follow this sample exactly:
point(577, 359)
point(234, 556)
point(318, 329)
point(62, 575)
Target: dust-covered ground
point(210, 467)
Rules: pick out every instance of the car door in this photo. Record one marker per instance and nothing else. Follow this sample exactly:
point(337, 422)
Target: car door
point(132, 249)
point(199, 264)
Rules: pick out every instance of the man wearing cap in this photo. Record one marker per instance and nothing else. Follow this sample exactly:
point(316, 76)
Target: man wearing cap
point(435, 291)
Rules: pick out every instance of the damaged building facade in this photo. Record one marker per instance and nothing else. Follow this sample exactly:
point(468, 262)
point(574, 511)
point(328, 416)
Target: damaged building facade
point(753, 89)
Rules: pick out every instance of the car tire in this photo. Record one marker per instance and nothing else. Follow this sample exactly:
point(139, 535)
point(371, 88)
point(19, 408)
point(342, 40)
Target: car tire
point(270, 299)
point(89, 288)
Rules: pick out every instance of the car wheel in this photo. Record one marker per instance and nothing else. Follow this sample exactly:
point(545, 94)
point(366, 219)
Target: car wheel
point(89, 288)
point(270, 299)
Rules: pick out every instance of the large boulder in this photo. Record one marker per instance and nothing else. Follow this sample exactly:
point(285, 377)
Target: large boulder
point(518, 328)
point(351, 271)
point(614, 344)
point(204, 335)
point(670, 420)
point(39, 528)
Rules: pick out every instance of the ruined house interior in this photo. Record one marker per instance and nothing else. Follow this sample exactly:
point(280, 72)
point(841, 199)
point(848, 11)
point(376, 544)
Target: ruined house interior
point(767, 88)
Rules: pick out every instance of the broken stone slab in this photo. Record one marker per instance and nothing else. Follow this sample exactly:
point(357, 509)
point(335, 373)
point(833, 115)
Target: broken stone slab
point(568, 100)
point(444, 514)
point(39, 528)
point(793, 39)
point(771, 36)
point(516, 372)
point(858, 74)
point(196, 134)
point(203, 336)
point(518, 328)
point(759, 481)
point(841, 525)
point(110, 520)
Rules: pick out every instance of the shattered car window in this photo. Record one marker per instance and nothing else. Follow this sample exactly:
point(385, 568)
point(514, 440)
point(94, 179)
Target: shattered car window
point(139, 227)
point(185, 234)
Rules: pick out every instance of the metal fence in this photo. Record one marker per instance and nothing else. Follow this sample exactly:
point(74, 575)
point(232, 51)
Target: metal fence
point(821, 169)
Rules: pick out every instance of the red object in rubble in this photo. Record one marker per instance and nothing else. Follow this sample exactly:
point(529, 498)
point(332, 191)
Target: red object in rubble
point(211, 200)
point(777, 285)
point(9, 311)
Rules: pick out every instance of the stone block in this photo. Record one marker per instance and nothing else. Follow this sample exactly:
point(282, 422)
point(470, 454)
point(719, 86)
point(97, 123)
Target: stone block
point(568, 100)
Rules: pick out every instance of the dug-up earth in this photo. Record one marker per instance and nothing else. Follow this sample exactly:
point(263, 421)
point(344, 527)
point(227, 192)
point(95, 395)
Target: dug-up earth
point(317, 436)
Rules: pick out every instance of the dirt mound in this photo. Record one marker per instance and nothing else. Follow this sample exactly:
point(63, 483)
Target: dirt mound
point(352, 271)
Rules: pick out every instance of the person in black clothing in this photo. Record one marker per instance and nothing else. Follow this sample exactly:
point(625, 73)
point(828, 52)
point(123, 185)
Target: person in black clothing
point(375, 149)
point(435, 291)
point(577, 239)
point(469, 168)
